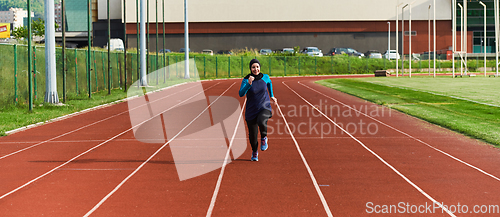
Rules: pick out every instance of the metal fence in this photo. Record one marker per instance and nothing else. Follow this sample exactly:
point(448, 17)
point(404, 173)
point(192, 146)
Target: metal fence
point(14, 69)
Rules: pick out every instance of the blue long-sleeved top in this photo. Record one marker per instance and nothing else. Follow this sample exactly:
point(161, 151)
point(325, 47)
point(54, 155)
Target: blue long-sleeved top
point(257, 95)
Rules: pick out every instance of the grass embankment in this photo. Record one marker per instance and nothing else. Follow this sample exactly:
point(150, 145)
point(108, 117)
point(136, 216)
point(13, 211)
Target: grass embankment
point(474, 119)
point(14, 117)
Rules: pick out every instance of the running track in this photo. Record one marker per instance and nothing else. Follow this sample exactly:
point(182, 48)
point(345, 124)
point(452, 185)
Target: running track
point(91, 164)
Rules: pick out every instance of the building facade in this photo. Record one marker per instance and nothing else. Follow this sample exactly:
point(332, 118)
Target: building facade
point(14, 16)
point(359, 24)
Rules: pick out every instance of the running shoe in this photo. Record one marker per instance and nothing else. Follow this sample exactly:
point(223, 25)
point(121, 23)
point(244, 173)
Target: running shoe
point(263, 144)
point(255, 156)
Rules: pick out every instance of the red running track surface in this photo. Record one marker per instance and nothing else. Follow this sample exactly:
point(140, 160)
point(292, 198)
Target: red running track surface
point(92, 164)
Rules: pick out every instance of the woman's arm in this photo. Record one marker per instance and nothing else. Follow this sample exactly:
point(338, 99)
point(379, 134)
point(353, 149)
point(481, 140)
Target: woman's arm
point(245, 86)
point(270, 88)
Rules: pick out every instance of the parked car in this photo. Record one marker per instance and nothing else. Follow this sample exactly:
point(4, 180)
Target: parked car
point(391, 54)
point(116, 44)
point(225, 52)
point(312, 51)
point(373, 54)
point(287, 50)
point(182, 50)
point(207, 51)
point(265, 51)
point(165, 51)
point(345, 50)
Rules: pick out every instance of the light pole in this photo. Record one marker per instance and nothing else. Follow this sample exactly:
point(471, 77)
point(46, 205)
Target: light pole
point(454, 35)
point(434, 33)
point(465, 35)
point(142, 53)
point(397, 40)
point(461, 38)
point(429, 34)
point(403, 40)
point(388, 39)
point(411, 54)
point(484, 36)
point(496, 35)
point(186, 41)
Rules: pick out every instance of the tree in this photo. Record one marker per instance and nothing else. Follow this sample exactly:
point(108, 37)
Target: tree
point(20, 32)
point(38, 29)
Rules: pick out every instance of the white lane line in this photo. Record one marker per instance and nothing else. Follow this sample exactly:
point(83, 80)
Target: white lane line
point(320, 194)
point(85, 110)
point(219, 180)
point(65, 134)
point(408, 135)
point(88, 169)
point(97, 146)
point(151, 157)
point(376, 155)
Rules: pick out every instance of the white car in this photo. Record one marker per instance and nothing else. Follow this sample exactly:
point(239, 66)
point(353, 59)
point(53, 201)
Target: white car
point(391, 55)
point(287, 50)
point(312, 51)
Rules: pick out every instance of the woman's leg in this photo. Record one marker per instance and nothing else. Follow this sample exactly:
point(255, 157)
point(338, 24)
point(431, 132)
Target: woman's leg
point(262, 118)
point(253, 133)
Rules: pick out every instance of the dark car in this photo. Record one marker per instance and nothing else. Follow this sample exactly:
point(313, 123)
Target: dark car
point(182, 50)
point(225, 52)
point(344, 50)
point(164, 51)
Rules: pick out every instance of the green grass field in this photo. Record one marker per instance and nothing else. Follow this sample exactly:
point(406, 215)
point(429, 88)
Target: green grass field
point(470, 106)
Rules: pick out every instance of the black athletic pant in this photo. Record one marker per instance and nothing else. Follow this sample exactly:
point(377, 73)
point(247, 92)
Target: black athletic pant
point(259, 123)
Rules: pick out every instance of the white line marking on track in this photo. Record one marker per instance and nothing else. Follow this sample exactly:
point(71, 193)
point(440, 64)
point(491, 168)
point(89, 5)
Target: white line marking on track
point(219, 180)
point(376, 155)
point(97, 146)
point(151, 157)
point(24, 149)
point(85, 110)
point(408, 135)
point(316, 186)
point(88, 169)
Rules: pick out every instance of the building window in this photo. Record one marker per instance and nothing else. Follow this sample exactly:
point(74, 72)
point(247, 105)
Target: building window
point(413, 33)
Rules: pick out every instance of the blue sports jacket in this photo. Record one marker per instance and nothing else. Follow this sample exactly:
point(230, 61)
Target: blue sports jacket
point(257, 94)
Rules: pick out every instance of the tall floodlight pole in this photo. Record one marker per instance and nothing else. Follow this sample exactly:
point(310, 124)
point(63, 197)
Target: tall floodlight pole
point(403, 39)
point(147, 37)
point(495, 11)
point(63, 21)
point(434, 33)
point(143, 80)
point(186, 41)
point(497, 26)
point(89, 33)
point(156, 42)
point(388, 39)
point(50, 54)
point(429, 34)
point(397, 39)
point(454, 35)
point(465, 35)
point(30, 75)
point(125, 40)
point(137, 9)
point(411, 54)
point(484, 36)
point(461, 38)
point(164, 53)
point(109, 49)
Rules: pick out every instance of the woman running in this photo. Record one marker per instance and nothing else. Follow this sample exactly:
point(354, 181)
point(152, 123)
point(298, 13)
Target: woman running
point(256, 87)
